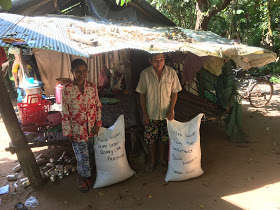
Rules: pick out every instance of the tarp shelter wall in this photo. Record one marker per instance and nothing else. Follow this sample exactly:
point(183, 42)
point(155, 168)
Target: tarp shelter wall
point(53, 65)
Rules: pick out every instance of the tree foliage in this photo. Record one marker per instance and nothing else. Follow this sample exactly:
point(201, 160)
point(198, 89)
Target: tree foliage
point(254, 23)
point(194, 14)
point(6, 4)
point(122, 2)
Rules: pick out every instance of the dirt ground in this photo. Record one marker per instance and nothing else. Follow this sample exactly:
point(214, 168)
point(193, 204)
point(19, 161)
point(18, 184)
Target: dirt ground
point(236, 176)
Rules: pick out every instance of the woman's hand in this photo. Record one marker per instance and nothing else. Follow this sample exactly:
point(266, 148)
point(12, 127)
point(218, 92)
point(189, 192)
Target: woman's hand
point(95, 130)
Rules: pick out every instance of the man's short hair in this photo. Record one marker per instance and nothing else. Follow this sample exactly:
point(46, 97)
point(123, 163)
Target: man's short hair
point(77, 62)
point(156, 54)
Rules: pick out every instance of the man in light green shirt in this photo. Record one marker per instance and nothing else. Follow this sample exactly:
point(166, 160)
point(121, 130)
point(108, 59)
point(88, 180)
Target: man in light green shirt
point(158, 88)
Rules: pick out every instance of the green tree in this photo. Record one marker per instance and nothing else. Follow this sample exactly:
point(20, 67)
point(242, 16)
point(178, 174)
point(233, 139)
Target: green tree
point(253, 22)
point(6, 4)
point(206, 9)
point(256, 23)
point(181, 12)
point(194, 14)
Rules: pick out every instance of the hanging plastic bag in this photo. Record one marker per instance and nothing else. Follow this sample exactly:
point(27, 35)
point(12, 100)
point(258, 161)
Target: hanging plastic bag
point(28, 82)
point(110, 155)
point(184, 150)
point(5, 189)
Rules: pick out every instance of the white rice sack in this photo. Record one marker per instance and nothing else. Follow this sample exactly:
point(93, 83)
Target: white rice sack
point(184, 150)
point(110, 155)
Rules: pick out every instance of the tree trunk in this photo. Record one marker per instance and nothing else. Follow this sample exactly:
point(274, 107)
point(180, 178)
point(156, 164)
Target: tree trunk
point(269, 35)
point(204, 14)
point(24, 153)
point(201, 14)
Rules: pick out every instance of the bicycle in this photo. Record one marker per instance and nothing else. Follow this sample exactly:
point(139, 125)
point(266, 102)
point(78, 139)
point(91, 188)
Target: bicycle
point(257, 90)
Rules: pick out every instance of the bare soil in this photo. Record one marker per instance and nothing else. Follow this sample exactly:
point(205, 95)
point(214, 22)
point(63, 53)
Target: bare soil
point(236, 175)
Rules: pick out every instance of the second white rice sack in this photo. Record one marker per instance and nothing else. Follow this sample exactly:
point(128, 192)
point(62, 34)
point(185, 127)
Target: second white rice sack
point(110, 155)
point(184, 150)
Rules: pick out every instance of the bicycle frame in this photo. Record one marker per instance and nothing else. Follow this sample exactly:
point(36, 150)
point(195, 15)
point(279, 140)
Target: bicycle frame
point(251, 88)
point(244, 83)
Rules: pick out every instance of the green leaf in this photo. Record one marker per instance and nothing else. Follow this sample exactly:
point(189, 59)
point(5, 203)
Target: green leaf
point(214, 2)
point(6, 4)
point(122, 2)
point(239, 11)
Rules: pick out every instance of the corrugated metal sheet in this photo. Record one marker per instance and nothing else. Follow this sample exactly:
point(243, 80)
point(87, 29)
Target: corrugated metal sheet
point(40, 32)
point(85, 37)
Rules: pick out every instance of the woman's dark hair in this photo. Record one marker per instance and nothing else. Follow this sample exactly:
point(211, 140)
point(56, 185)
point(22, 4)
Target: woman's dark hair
point(77, 62)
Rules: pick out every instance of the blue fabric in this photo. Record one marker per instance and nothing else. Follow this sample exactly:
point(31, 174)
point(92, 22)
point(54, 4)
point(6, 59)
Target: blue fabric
point(81, 150)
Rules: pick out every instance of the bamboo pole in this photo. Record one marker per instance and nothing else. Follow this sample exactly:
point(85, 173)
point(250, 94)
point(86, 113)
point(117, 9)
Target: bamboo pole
point(23, 152)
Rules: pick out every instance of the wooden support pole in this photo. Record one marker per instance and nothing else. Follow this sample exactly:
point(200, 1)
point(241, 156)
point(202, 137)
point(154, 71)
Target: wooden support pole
point(24, 153)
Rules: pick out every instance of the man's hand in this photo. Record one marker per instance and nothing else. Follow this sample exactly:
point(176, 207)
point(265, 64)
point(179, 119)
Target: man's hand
point(170, 115)
point(146, 119)
point(95, 130)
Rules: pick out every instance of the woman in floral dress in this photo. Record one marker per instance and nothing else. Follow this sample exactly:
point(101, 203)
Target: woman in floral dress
point(81, 110)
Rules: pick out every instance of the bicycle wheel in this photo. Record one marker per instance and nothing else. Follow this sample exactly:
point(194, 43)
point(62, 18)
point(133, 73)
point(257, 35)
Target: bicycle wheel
point(261, 93)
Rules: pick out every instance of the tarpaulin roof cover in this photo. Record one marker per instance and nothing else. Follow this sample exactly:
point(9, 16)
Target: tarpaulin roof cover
point(86, 37)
